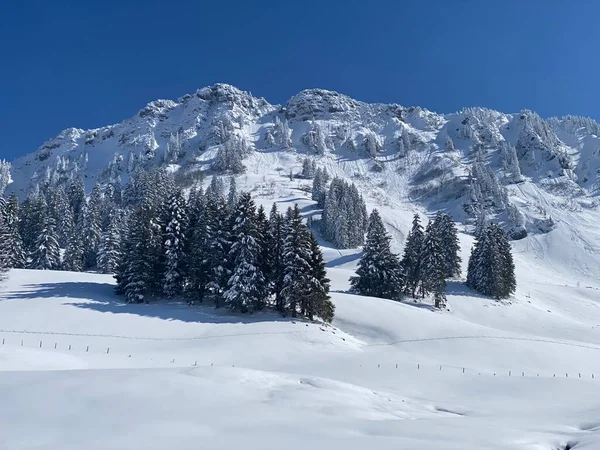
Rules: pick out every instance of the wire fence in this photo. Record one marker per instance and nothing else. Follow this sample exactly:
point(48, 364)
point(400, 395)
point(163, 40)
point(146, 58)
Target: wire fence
point(186, 361)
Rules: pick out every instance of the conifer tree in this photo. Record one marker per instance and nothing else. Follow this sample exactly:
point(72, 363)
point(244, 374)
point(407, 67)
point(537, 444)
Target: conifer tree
point(92, 228)
point(433, 267)
point(46, 255)
point(232, 196)
point(378, 272)
point(246, 288)
point(174, 244)
point(411, 259)
point(197, 249)
point(138, 257)
point(445, 229)
point(277, 235)
point(11, 243)
point(109, 250)
point(218, 244)
point(318, 302)
point(297, 262)
point(73, 256)
point(491, 269)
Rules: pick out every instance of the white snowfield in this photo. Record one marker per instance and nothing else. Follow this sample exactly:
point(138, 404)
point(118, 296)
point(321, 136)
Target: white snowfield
point(82, 370)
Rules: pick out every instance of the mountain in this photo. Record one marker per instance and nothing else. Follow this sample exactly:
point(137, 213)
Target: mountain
point(532, 175)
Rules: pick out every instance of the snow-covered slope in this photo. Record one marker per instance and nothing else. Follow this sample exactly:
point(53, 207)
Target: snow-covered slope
point(80, 369)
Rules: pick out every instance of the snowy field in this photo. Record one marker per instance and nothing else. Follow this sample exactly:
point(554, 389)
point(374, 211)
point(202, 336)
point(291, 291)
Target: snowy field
point(81, 370)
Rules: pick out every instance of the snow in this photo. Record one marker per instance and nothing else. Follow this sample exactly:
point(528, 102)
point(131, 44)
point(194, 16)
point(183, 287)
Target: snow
point(192, 377)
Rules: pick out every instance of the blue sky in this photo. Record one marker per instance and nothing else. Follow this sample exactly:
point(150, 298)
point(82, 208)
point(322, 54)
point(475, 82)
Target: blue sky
point(83, 64)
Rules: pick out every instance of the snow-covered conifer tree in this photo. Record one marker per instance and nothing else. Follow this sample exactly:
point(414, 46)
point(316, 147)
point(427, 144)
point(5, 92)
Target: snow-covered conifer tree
point(411, 258)
point(378, 273)
point(175, 227)
point(247, 287)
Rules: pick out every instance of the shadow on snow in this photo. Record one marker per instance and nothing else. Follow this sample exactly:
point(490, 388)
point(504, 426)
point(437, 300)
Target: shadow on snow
point(101, 298)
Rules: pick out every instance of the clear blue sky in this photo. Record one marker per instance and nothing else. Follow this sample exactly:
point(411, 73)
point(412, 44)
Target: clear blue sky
point(88, 64)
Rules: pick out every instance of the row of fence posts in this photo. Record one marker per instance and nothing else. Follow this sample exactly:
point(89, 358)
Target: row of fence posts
point(87, 349)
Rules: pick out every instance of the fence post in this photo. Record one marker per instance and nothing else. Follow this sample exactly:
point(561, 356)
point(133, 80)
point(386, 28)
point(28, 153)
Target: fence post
point(21, 342)
point(418, 366)
point(396, 366)
point(107, 350)
point(87, 349)
point(440, 367)
point(522, 374)
point(509, 373)
point(463, 370)
point(69, 346)
point(55, 346)
point(2, 341)
point(40, 344)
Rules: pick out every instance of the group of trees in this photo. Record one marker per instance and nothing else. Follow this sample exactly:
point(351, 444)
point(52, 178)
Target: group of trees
point(344, 215)
point(213, 246)
point(226, 251)
point(430, 257)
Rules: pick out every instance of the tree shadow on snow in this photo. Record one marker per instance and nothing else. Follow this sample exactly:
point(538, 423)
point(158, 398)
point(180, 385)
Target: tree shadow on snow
point(102, 298)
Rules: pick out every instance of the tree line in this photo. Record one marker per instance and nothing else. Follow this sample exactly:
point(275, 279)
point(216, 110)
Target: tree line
point(212, 247)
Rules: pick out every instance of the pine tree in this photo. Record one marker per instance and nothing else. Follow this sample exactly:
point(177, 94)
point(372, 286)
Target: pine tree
point(76, 197)
point(246, 288)
point(11, 244)
point(277, 235)
point(445, 228)
point(433, 267)
point(46, 255)
point(318, 301)
point(378, 273)
point(216, 189)
point(5, 255)
point(297, 262)
point(344, 215)
point(308, 168)
point(174, 245)
point(136, 267)
point(218, 244)
point(92, 228)
point(232, 196)
point(411, 259)
point(109, 250)
point(73, 256)
point(491, 269)
point(198, 268)
point(319, 187)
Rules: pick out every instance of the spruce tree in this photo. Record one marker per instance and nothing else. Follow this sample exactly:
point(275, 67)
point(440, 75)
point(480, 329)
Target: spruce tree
point(411, 258)
point(433, 267)
point(445, 229)
point(137, 264)
point(174, 244)
point(109, 250)
point(491, 269)
point(46, 255)
point(232, 195)
point(92, 227)
point(246, 288)
point(318, 302)
point(198, 268)
point(73, 256)
point(12, 243)
point(297, 262)
point(277, 235)
point(378, 273)
point(218, 244)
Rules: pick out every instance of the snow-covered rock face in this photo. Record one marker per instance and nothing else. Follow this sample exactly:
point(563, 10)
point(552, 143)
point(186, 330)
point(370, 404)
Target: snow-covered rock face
point(392, 152)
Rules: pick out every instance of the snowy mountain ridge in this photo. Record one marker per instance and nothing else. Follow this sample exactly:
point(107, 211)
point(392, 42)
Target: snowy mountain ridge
point(530, 174)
